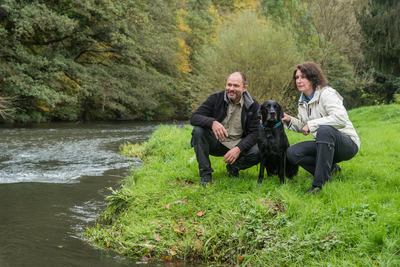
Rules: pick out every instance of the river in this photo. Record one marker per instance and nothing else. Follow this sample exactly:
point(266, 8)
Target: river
point(54, 178)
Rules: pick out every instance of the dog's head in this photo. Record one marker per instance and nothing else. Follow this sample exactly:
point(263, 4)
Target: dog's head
point(270, 112)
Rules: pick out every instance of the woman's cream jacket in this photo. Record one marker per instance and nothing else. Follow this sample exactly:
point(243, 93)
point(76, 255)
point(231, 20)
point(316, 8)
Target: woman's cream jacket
point(325, 108)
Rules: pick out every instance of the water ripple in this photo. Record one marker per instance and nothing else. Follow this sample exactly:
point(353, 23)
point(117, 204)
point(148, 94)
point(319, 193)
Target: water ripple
point(61, 153)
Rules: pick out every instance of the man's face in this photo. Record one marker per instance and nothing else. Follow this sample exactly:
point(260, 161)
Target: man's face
point(234, 87)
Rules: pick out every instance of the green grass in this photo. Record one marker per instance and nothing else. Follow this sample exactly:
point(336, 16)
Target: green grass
point(354, 221)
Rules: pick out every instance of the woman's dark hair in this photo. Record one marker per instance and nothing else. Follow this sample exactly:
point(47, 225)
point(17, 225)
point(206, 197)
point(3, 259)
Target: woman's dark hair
point(313, 73)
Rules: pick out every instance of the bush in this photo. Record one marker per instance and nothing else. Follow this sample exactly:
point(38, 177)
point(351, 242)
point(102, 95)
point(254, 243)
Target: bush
point(266, 54)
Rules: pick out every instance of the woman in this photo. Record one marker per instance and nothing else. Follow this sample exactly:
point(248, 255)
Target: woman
point(322, 113)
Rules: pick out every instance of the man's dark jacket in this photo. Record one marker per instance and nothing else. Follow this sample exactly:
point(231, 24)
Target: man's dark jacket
point(215, 108)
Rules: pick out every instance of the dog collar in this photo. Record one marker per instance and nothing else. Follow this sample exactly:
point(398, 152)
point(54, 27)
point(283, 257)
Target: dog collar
point(267, 128)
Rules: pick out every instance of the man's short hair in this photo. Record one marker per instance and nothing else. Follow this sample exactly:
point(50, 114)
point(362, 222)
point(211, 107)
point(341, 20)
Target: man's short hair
point(244, 81)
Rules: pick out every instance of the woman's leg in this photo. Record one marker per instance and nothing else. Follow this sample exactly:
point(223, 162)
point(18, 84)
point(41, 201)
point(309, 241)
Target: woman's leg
point(304, 155)
point(332, 146)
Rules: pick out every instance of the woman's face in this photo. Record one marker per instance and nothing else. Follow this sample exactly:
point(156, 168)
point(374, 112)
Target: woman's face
point(303, 84)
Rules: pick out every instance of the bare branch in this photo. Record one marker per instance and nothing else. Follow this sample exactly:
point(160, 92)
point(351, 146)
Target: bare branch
point(6, 110)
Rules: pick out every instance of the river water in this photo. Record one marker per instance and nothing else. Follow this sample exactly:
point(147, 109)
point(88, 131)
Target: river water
point(54, 178)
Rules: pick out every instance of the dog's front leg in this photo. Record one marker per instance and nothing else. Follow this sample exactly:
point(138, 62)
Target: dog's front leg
point(282, 168)
point(262, 167)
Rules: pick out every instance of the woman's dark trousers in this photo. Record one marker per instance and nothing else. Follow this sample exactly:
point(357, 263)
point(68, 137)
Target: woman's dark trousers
point(318, 157)
point(205, 144)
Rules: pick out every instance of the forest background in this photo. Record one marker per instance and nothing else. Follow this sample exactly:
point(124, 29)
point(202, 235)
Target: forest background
point(83, 60)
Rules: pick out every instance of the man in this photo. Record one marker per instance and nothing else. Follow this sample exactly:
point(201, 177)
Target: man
point(227, 125)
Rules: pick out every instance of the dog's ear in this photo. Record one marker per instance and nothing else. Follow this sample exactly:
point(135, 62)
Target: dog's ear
point(281, 111)
point(259, 113)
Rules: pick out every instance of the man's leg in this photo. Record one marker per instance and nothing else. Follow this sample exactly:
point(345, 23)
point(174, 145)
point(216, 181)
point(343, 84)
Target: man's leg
point(246, 160)
point(205, 144)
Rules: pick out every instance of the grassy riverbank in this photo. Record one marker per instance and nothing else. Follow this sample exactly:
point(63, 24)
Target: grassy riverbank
point(161, 210)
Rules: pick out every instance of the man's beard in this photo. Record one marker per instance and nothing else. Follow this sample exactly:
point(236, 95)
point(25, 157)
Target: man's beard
point(237, 96)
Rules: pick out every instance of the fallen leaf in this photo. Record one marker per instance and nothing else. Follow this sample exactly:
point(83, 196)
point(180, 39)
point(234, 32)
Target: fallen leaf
point(173, 247)
point(107, 244)
point(157, 237)
point(201, 213)
point(177, 178)
point(185, 200)
point(329, 237)
point(240, 258)
point(182, 219)
point(177, 230)
point(145, 259)
point(191, 212)
point(166, 258)
point(148, 245)
point(189, 181)
point(212, 180)
point(169, 204)
point(173, 253)
point(199, 233)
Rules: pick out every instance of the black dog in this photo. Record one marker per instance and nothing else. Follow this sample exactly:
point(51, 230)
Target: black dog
point(273, 143)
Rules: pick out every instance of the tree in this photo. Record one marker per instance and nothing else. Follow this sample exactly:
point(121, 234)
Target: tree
point(265, 54)
point(71, 59)
point(380, 23)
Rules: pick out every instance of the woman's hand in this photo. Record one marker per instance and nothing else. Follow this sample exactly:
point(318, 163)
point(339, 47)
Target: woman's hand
point(306, 130)
point(286, 118)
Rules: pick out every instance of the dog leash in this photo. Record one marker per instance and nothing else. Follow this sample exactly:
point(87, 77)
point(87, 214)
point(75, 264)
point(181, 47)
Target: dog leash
point(267, 128)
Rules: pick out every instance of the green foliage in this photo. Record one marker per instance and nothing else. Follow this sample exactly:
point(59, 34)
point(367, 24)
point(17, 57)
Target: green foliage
point(327, 33)
point(380, 23)
point(382, 91)
point(265, 54)
point(101, 60)
point(293, 14)
point(352, 222)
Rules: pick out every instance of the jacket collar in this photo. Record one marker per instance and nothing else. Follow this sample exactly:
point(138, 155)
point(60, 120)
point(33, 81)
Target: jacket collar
point(317, 95)
point(248, 101)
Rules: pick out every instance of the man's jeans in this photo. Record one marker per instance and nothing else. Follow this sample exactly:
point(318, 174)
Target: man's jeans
point(318, 157)
point(205, 144)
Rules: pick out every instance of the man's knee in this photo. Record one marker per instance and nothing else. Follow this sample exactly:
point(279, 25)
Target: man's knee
point(254, 154)
point(200, 135)
point(198, 131)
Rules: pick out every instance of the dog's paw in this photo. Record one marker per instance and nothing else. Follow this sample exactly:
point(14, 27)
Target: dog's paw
point(260, 180)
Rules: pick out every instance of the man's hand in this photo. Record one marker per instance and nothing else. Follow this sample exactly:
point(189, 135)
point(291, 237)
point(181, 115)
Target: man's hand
point(219, 130)
point(286, 118)
point(306, 130)
point(232, 155)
